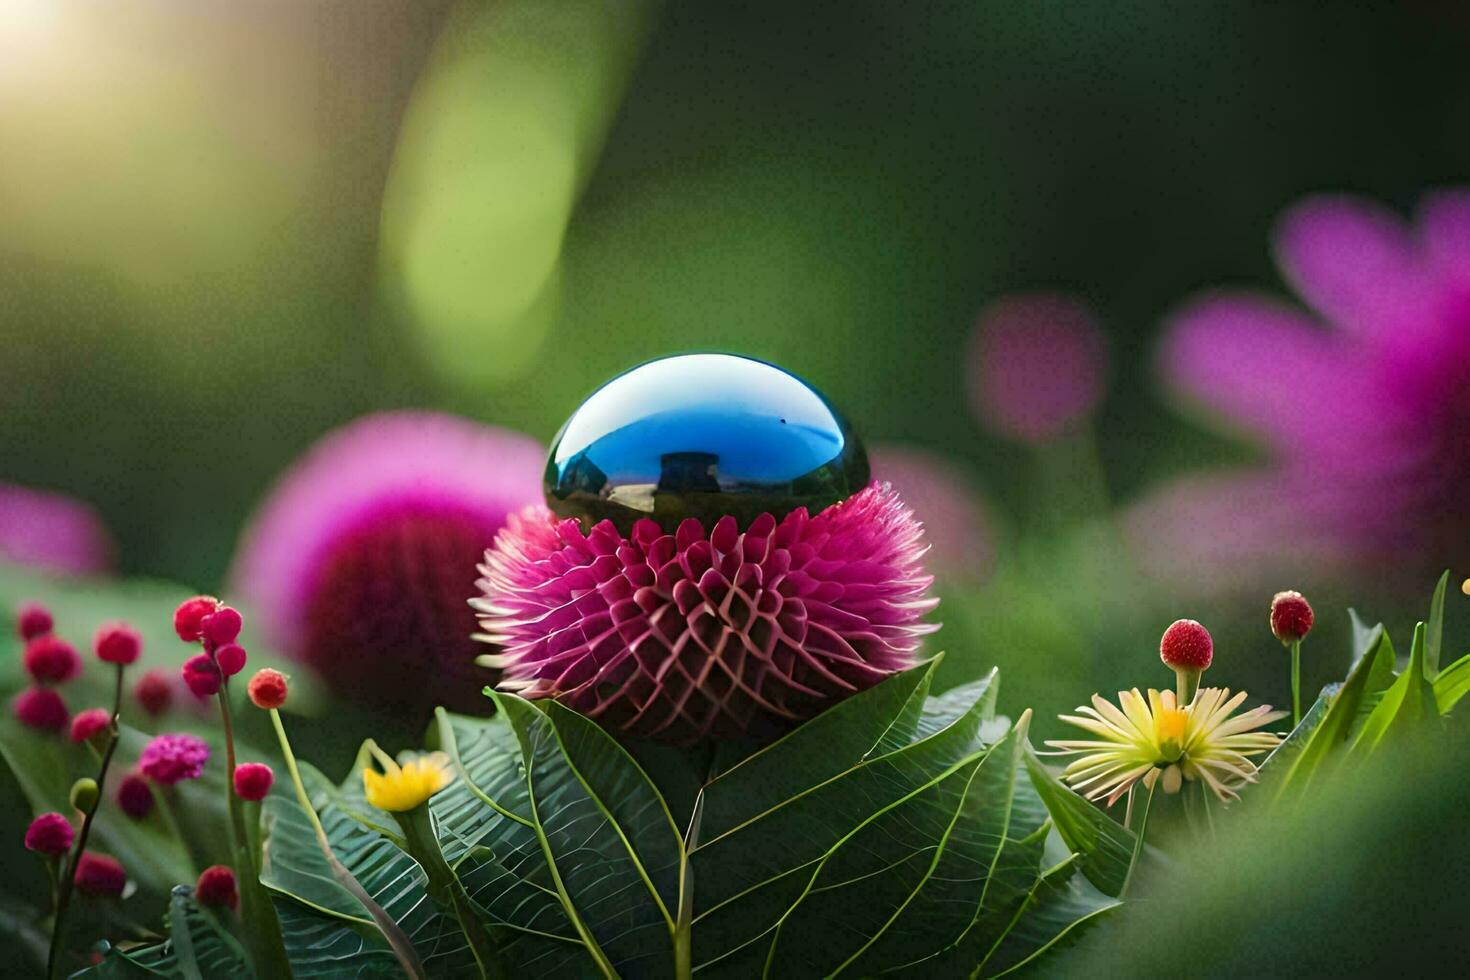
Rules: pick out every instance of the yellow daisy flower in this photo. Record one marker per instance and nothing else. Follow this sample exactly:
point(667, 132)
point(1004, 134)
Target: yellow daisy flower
point(1153, 740)
point(400, 788)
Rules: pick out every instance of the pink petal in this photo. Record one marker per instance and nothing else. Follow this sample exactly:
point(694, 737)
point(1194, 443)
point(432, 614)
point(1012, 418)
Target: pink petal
point(1444, 229)
point(1354, 262)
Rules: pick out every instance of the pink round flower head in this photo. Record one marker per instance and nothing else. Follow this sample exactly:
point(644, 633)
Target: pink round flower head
point(100, 876)
point(955, 522)
point(1360, 396)
point(40, 707)
point(253, 780)
point(32, 620)
point(715, 631)
point(52, 660)
point(202, 675)
point(50, 833)
point(154, 691)
point(221, 626)
point(52, 532)
point(230, 658)
point(356, 562)
point(1038, 366)
point(118, 643)
point(268, 689)
point(189, 616)
point(217, 888)
point(171, 758)
point(134, 796)
point(1291, 616)
point(1186, 645)
point(88, 723)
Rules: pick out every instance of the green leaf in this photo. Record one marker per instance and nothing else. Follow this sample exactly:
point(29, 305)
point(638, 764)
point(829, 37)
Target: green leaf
point(1104, 848)
point(1407, 702)
point(1061, 906)
point(1364, 687)
point(321, 945)
point(1434, 635)
point(1452, 684)
point(199, 946)
point(1278, 763)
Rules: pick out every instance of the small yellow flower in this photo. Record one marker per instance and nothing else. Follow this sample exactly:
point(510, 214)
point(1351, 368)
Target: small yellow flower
point(400, 788)
point(1153, 739)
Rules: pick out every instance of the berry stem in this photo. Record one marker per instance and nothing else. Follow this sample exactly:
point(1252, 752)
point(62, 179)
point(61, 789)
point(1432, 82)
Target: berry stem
point(69, 872)
point(1296, 683)
point(1188, 684)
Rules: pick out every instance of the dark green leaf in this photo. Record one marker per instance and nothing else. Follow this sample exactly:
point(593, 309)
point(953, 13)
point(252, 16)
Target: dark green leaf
point(1103, 847)
point(1434, 635)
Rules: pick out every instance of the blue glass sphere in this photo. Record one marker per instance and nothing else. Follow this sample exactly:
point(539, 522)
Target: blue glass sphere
point(702, 435)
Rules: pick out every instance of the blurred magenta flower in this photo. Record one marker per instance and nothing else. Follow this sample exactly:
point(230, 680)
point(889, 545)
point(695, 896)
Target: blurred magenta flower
point(956, 523)
point(52, 532)
point(1037, 366)
point(1363, 408)
point(173, 757)
point(712, 631)
point(362, 559)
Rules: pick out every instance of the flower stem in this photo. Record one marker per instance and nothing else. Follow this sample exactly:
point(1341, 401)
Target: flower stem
point(262, 928)
point(445, 887)
point(408, 957)
point(1188, 684)
point(64, 890)
point(1296, 683)
point(1138, 842)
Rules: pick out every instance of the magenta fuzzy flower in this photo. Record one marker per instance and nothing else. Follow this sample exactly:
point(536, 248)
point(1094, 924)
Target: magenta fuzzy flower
point(1364, 408)
point(51, 660)
point(134, 796)
point(171, 758)
point(52, 532)
point(40, 707)
point(100, 876)
point(216, 888)
point(253, 780)
point(357, 563)
point(681, 635)
point(1038, 366)
point(32, 620)
point(88, 723)
point(956, 524)
point(50, 833)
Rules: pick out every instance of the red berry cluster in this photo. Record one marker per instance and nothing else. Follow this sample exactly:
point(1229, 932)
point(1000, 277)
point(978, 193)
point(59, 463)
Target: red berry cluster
point(52, 661)
point(215, 626)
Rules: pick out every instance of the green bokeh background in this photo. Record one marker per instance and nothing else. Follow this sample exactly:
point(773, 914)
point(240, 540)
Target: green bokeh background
point(226, 228)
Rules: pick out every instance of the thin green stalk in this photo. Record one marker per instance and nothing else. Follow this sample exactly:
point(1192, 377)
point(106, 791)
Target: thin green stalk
point(1128, 809)
point(262, 928)
point(408, 957)
point(1296, 683)
point(445, 887)
point(69, 873)
point(1138, 841)
point(1186, 686)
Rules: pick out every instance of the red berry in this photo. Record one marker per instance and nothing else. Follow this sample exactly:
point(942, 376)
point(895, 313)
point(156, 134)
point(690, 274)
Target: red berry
point(52, 660)
point(202, 676)
point(32, 620)
point(230, 658)
point(88, 723)
point(268, 688)
point(216, 888)
point(190, 614)
point(253, 780)
point(1291, 616)
point(154, 692)
point(221, 627)
point(40, 707)
point(134, 797)
point(117, 643)
point(50, 833)
point(1187, 646)
point(100, 875)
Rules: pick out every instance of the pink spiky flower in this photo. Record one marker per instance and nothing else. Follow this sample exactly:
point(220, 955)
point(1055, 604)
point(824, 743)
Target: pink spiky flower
point(358, 563)
point(718, 632)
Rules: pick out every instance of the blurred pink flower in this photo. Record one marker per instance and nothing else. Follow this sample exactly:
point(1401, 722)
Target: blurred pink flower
point(946, 502)
point(1364, 408)
point(362, 560)
point(1037, 366)
point(52, 532)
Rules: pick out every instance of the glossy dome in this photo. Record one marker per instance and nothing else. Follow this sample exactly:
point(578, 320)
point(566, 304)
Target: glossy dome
point(702, 435)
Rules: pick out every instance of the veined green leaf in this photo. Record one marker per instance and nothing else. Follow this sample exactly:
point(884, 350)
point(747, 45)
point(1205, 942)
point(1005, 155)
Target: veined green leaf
point(1278, 763)
point(199, 947)
point(1060, 907)
point(1103, 847)
point(320, 945)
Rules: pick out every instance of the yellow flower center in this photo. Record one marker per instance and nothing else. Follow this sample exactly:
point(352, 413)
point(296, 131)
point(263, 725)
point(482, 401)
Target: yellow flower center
point(402, 788)
point(1169, 724)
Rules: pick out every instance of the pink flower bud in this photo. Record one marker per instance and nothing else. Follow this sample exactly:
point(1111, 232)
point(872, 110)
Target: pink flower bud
point(221, 627)
point(52, 660)
point(50, 833)
point(216, 888)
point(268, 688)
point(253, 780)
point(230, 658)
point(1291, 616)
point(40, 707)
point(89, 723)
point(118, 643)
point(134, 796)
point(202, 675)
point(190, 614)
point(154, 692)
point(100, 876)
point(33, 620)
